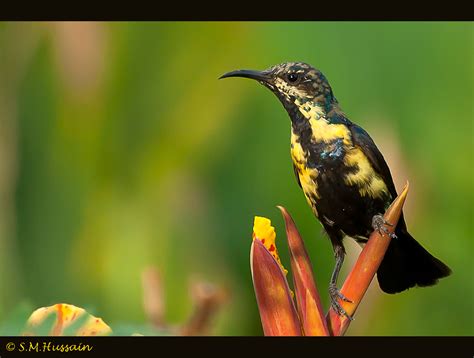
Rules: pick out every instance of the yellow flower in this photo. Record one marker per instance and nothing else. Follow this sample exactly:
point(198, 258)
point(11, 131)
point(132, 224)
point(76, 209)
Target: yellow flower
point(276, 301)
point(66, 316)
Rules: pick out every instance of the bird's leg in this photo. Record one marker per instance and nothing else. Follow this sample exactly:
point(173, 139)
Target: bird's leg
point(334, 292)
point(378, 223)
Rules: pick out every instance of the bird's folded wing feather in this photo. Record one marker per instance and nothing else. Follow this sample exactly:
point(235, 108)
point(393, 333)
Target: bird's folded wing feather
point(361, 139)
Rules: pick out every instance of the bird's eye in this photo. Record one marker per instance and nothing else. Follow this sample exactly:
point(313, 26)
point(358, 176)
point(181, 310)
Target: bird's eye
point(292, 77)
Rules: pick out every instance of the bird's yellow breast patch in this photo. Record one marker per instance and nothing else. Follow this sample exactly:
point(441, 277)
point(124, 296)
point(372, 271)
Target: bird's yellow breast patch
point(307, 176)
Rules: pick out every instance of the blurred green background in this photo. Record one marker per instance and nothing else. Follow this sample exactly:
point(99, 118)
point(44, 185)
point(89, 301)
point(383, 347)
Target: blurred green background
point(120, 149)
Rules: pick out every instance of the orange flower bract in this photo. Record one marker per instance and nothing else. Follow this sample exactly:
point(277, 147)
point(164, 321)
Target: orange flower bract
point(279, 314)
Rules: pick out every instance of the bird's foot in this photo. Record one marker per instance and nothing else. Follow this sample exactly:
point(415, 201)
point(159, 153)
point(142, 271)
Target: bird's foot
point(378, 223)
point(335, 296)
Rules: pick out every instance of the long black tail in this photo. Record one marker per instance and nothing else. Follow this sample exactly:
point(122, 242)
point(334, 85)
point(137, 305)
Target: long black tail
point(407, 264)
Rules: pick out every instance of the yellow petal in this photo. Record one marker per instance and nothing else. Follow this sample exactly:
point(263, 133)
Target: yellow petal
point(265, 232)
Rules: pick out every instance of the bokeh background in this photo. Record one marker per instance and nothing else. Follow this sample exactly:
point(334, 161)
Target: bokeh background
point(120, 150)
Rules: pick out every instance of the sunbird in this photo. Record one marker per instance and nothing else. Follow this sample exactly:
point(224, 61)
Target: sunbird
point(344, 178)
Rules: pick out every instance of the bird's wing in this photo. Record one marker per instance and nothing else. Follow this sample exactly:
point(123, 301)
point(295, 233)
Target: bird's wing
point(297, 175)
point(361, 139)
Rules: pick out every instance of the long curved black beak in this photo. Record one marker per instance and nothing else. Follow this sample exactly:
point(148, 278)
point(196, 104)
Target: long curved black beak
point(261, 76)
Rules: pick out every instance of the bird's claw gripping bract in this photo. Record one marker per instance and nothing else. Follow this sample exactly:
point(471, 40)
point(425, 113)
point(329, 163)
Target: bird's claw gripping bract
point(336, 295)
point(378, 223)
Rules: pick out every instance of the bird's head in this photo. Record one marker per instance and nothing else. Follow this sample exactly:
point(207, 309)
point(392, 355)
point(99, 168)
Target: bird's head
point(293, 83)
